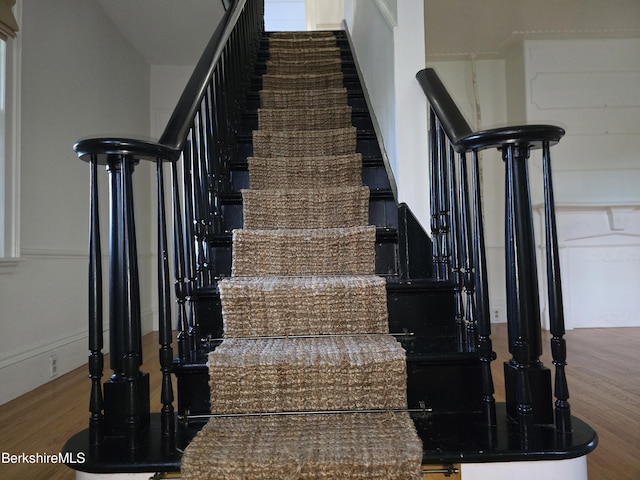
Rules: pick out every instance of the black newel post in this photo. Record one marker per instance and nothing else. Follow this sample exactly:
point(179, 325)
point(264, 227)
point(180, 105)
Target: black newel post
point(126, 393)
point(527, 381)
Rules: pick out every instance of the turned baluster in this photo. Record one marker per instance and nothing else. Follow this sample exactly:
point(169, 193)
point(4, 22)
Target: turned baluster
point(434, 177)
point(556, 309)
point(164, 310)
point(483, 319)
point(129, 292)
point(444, 213)
point(466, 258)
point(96, 358)
point(456, 247)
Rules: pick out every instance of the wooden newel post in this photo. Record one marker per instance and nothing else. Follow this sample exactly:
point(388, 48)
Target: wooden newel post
point(126, 393)
point(527, 381)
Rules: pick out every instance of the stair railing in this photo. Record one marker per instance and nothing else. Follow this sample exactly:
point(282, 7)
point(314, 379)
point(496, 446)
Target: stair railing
point(459, 255)
point(201, 132)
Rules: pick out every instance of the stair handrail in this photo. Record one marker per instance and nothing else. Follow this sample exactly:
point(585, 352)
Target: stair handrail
point(200, 132)
point(459, 255)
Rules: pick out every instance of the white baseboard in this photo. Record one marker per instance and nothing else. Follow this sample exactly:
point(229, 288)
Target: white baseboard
point(30, 369)
point(20, 373)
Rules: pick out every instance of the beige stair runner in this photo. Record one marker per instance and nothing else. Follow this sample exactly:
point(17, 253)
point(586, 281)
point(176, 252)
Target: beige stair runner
point(308, 383)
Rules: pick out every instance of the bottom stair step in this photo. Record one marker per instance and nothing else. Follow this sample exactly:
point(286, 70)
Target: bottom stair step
point(346, 446)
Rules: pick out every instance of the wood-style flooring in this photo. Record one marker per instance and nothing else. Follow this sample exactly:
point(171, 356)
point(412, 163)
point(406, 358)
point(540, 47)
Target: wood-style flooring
point(604, 381)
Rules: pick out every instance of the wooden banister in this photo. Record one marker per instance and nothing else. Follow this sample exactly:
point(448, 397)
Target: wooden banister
point(455, 213)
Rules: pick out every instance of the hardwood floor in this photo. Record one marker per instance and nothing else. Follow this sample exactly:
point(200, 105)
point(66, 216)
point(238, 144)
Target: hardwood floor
point(604, 381)
point(604, 384)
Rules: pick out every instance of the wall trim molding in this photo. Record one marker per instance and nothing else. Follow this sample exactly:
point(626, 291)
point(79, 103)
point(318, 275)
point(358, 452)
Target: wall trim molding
point(54, 253)
point(386, 13)
point(6, 360)
point(9, 265)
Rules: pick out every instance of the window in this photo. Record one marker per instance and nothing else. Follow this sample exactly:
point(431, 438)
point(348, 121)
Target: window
point(3, 140)
point(9, 130)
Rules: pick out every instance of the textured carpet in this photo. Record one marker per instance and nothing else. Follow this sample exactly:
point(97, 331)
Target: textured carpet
point(307, 383)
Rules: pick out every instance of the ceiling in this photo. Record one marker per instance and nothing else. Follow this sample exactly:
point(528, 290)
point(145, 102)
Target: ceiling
point(166, 32)
point(174, 32)
point(457, 28)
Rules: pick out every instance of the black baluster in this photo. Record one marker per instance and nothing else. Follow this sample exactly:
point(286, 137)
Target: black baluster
point(455, 247)
point(132, 358)
point(556, 308)
point(212, 168)
point(465, 253)
point(180, 250)
point(96, 358)
point(192, 235)
point(199, 180)
point(433, 191)
point(116, 252)
point(444, 214)
point(164, 311)
point(483, 319)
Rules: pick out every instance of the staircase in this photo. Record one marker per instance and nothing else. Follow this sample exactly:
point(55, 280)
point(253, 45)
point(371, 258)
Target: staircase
point(306, 345)
point(419, 308)
point(257, 223)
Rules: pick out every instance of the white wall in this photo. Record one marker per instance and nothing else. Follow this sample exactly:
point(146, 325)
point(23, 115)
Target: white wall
point(388, 38)
point(79, 78)
point(590, 87)
point(324, 14)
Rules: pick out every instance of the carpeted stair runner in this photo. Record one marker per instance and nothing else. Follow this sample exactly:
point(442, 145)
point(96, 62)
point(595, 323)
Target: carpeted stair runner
point(303, 208)
point(318, 251)
point(241, 447)
point(273, 172)
point(298, 374)
point(325, 305)
point(307, 382)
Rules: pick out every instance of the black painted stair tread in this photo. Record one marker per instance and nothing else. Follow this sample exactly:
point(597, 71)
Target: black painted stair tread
point(332, 207)
point(318, 305)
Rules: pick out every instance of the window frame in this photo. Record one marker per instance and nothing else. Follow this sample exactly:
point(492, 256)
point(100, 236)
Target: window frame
point(10, 164)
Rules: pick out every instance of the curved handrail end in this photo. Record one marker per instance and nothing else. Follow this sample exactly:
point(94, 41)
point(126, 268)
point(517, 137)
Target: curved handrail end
point(531, 136)
point(104, 147)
